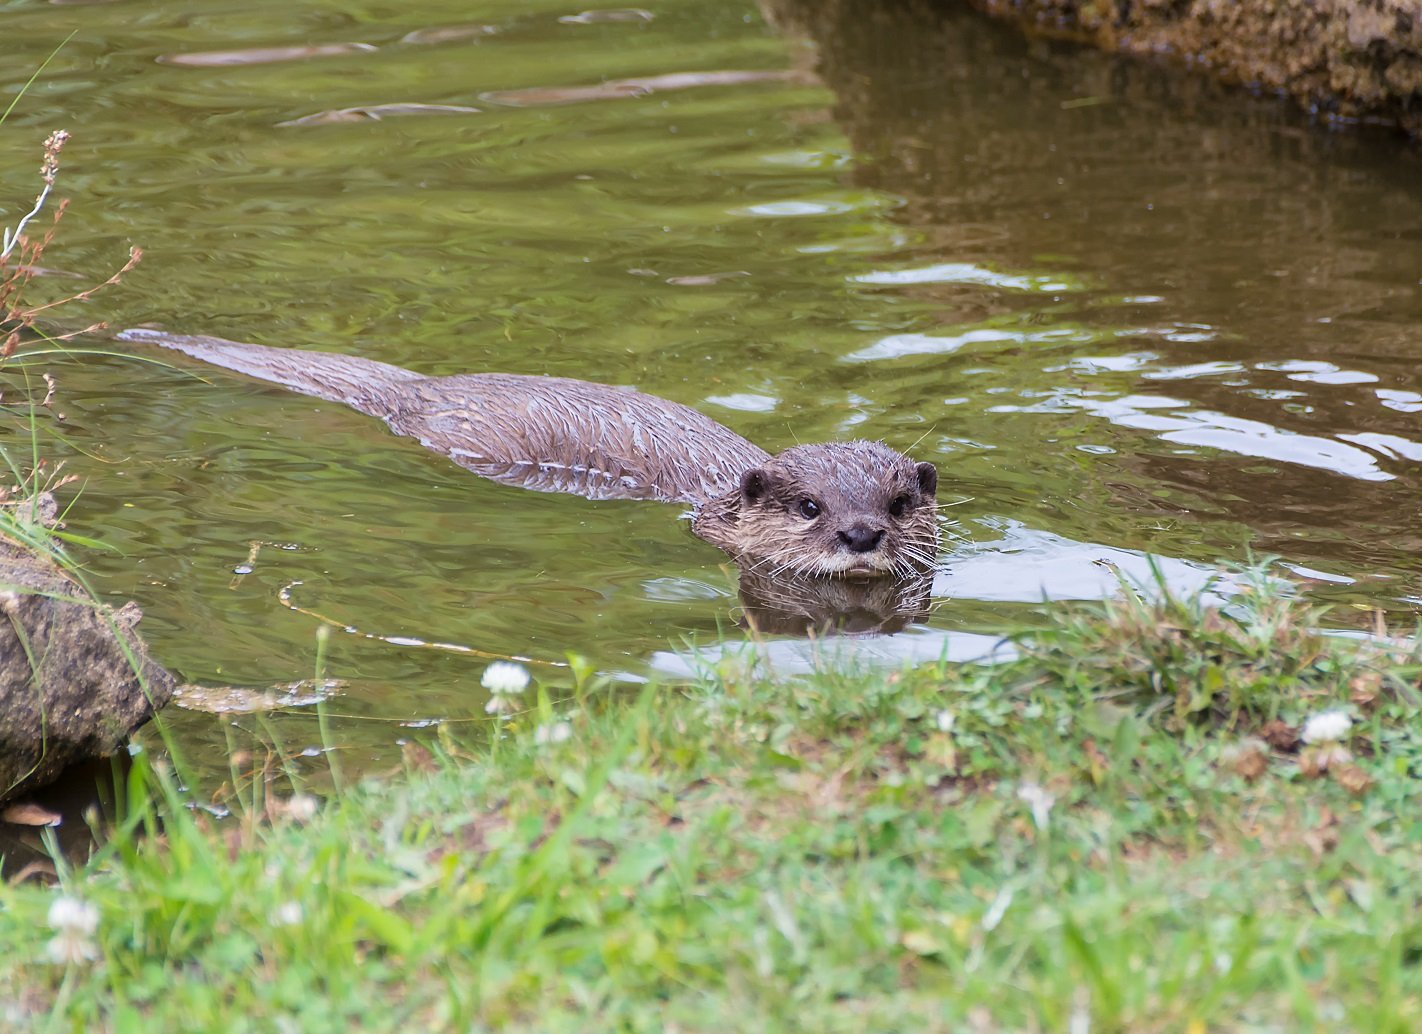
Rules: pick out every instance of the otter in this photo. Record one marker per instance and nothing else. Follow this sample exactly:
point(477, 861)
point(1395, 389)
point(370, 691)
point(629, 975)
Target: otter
point(837, 509)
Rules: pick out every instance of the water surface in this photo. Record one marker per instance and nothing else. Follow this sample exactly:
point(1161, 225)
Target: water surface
point(1128, 314)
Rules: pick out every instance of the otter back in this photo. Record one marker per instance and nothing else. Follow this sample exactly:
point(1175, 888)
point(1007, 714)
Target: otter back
point(549, 434)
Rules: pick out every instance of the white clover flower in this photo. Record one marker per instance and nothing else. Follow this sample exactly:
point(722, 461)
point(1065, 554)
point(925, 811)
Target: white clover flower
point(302, 807)
point(1326, 727)
point(68, 949)
point(500, 704)
point(1039, 801)
point(945, 720)
point(556, 732)
point(68, 913)
point(505, 678)
point(288, 913)
point(74, 922)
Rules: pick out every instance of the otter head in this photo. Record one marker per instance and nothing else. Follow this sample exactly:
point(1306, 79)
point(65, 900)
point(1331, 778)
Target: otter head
point(839, 509)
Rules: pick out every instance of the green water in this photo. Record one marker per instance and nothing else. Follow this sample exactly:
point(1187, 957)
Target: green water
point(1123, 311)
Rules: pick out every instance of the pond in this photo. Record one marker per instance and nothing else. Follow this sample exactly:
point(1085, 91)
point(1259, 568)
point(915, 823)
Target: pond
point(1135, 319)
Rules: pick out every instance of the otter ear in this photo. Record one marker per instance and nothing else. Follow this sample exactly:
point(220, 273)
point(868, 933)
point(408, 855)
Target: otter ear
point(927, 478)
point(755, 484)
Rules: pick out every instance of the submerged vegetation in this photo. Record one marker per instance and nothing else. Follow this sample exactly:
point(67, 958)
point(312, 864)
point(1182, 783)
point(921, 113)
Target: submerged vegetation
point(1161, 817)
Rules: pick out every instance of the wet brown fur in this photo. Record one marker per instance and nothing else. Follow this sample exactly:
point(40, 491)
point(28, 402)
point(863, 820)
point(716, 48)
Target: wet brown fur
point(837, 508)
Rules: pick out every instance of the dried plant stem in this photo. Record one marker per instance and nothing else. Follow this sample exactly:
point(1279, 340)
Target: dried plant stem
point(49, 169)
point(16, 273)
point(135, 255)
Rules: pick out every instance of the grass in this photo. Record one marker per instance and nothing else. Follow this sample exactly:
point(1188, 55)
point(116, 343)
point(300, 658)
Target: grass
point(1119, 831)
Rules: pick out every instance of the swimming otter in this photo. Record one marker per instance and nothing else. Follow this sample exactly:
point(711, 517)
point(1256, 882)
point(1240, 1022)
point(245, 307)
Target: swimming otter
point(838, 508)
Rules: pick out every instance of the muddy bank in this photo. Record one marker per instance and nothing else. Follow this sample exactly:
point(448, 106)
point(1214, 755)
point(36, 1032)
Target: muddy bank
point(1352, 59)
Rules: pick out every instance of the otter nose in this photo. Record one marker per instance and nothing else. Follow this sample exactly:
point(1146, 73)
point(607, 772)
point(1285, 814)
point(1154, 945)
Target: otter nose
point(861, 538)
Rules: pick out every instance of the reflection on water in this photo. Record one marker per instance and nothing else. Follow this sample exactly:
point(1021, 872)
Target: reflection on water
point(1021, 565)
point(1126, 313)
point(787, 658)
point(376, 112)
point(615, 89)
point(1217, 431)
point(806, 606)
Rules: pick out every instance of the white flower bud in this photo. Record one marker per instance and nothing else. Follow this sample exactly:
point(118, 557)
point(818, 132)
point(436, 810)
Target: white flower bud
point(1326, 727)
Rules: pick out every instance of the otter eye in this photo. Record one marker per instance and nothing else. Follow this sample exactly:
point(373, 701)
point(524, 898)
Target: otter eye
point(809, 509)
point(899, 506)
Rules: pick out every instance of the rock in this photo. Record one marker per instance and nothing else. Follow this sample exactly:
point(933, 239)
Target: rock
point(1350, 59)
point(75, 679)
point(1341, 59)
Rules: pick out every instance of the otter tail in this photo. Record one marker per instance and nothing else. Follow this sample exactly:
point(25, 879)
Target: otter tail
point(338, 378)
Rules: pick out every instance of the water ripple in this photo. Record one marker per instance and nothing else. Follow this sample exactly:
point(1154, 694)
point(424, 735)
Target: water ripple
point(1220, 431)
point(967, 273)
point(1027, 565)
